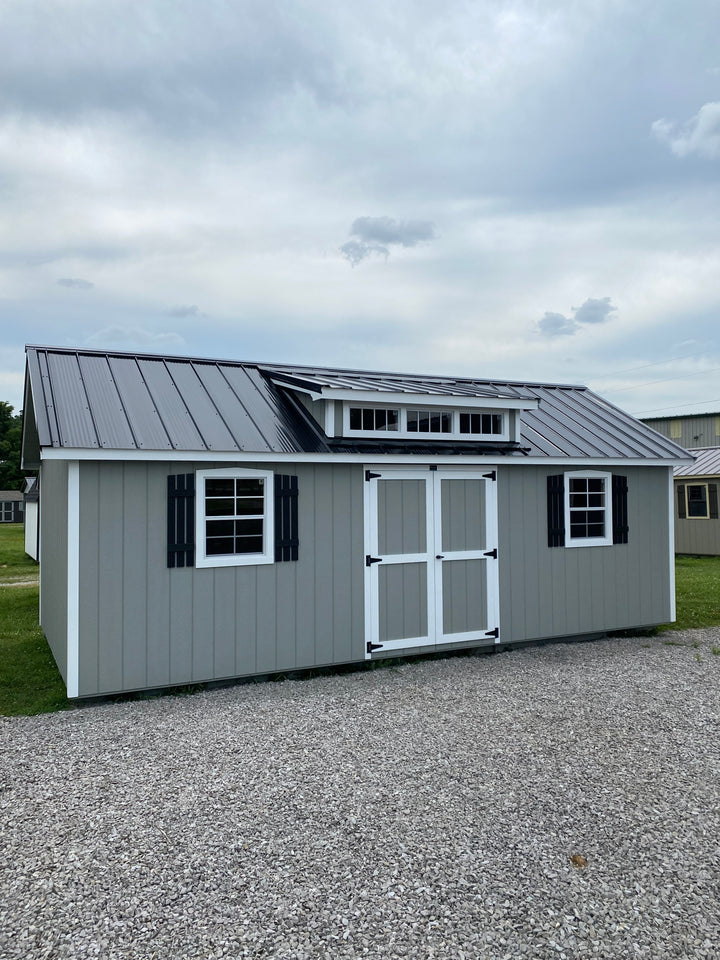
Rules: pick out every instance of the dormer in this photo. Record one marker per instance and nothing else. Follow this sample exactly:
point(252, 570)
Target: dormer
point(447, 410)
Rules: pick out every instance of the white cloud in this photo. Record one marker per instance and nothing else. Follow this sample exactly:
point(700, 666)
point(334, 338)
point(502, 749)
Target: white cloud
point(700, 135)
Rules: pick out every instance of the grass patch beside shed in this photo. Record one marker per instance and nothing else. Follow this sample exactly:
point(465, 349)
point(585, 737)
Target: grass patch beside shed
point(15, 565)
point(697, 581)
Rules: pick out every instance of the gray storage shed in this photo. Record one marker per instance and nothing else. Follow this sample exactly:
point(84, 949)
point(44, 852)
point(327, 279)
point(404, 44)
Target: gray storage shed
point(697, 525)
point(207, 519)
point(11, 506)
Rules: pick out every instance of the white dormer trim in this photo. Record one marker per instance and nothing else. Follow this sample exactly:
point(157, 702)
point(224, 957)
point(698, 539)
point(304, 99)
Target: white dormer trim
point(385, 398)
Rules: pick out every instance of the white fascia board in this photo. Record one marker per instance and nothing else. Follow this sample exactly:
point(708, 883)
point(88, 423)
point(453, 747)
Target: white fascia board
point(73, 580)
point(428, 399)
point(314, 394)
point(671, 543)
point(205, 456)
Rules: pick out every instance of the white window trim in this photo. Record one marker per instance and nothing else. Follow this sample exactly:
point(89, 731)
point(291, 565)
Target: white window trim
point(605, 541)
point(402, 433)
point(706, 515)
point(242, 559)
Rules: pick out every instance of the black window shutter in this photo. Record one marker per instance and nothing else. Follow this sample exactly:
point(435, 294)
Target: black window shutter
point(713, 500)
point(181, 520)
point(556, 510)
point(619, 509)
point(682, 514)
point(286, 518)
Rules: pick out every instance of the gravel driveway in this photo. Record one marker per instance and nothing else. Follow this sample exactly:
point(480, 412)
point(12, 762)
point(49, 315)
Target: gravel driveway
point(427, 810)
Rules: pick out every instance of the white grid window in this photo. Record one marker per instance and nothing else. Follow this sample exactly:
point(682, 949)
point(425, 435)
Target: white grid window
point(234, 517)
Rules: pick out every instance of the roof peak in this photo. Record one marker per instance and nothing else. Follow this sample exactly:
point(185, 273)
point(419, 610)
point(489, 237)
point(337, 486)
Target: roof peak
point(280, 367)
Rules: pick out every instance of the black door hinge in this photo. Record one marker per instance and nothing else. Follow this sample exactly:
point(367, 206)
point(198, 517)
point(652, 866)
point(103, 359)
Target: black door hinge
point(373, 646)
point(369, 561)
point(369, 475)
point(493, 633)
point(490, 476)
point(491, 553)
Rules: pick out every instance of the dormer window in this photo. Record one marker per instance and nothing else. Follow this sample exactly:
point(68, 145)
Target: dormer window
point(374, 419)
point(481, 423)
point(441, 423)
point(429, 421)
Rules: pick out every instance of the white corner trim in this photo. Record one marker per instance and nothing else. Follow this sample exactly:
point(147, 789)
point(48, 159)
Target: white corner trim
point(671, 544)
point(73, 579)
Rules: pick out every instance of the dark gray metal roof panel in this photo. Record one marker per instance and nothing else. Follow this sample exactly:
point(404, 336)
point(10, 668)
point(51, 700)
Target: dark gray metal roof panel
point(34, 380)
point(235, 412)
point(110, 421)
point(707, 463)
point(317, 378)
point(87, 399)
point(190, 385)
point(145, 422)
point(285, 425)
point(74, 419)
point(171, 410)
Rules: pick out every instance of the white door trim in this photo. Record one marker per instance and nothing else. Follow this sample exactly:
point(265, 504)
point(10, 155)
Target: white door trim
point(433, 486)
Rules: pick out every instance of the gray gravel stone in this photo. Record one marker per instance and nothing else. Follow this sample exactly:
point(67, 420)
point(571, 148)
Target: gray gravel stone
point(426, 810)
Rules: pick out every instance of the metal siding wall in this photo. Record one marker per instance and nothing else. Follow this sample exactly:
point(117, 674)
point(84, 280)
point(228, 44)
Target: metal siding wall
point(694, 431)
point(142, 625)
point(53, 566)
point(561, 591)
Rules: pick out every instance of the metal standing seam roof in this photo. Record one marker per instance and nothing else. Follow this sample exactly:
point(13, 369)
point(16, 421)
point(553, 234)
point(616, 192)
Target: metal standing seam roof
point(707, 463)
point(88, 399)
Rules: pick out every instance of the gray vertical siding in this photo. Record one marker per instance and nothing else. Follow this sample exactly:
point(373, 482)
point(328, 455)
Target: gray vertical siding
point(144, 625)
point(560, 591)
point(697, 431)
point(696, 535)
point(53, 560)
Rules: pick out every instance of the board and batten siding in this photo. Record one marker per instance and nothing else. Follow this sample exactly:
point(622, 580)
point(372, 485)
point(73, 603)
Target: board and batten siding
point(696, 535)
point(143, 625)
point(54, 559)
point(564, 591)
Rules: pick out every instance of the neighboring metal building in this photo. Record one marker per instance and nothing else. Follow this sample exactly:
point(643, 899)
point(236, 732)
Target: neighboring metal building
point(691, 430)
point(208, 519)
point(11, 506)
point(697, 525)
point(31, 496)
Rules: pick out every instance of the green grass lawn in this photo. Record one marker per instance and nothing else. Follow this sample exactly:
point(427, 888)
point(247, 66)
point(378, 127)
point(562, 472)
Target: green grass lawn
point(697, 588)
point(15, 564)
point(30, 682)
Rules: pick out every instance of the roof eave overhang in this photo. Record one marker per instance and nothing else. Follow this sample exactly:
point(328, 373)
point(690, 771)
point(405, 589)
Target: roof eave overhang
point(215, 456)
point(407, 398)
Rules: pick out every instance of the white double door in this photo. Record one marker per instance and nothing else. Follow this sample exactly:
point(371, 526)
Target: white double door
point(431, 567)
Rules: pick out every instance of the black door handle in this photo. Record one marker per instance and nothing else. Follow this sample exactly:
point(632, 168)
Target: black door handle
point(440, 556)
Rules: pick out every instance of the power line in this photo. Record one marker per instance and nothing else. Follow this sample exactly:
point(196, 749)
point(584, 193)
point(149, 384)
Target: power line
point(643, 366)
point(650, 383)
point(675, 407)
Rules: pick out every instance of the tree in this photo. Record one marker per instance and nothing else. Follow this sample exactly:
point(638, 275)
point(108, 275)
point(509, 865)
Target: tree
point(11, 477)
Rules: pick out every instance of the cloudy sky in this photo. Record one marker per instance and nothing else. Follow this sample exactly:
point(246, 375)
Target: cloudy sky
point(496, 189)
